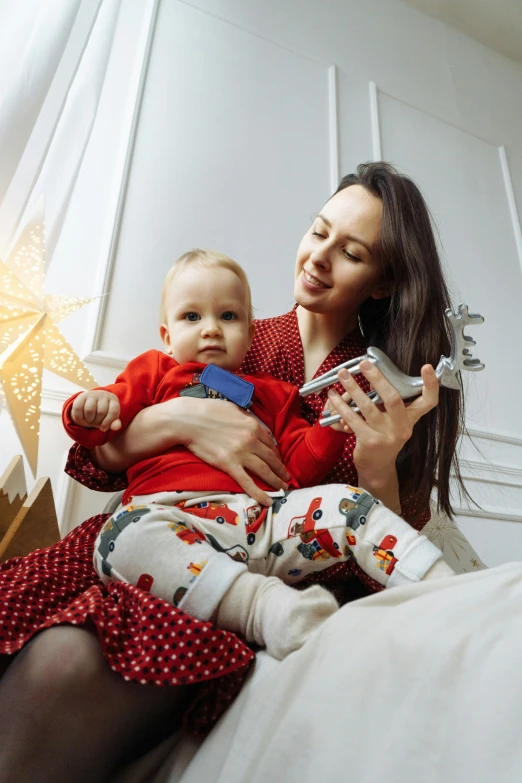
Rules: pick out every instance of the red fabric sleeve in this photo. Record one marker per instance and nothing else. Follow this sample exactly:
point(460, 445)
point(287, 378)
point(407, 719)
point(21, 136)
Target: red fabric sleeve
point(81, 468)
point(308, 452)
point(134, 387)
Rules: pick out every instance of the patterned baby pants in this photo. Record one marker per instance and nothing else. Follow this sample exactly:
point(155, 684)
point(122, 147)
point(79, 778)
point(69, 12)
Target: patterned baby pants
point(188, 548)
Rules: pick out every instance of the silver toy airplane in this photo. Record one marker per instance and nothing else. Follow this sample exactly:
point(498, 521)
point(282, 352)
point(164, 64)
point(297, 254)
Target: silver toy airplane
point(409, 386)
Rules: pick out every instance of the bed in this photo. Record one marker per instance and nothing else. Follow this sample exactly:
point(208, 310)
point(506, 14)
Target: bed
point(419, 684)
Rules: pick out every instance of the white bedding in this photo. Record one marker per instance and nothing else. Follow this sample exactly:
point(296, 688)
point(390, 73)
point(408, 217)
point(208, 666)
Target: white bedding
point(419, 684)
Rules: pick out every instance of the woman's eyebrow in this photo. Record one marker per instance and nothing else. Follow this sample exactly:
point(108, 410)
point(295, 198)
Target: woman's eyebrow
point(348, 236)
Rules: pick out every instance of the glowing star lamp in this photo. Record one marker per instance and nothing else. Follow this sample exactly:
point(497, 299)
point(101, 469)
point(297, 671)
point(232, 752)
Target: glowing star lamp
point(29, 338)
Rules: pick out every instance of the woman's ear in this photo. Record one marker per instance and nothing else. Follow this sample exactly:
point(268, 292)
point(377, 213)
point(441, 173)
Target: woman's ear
point(384, 289)
point(165, 338)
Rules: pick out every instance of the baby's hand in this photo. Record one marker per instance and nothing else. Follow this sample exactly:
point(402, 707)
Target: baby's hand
point(97, 410)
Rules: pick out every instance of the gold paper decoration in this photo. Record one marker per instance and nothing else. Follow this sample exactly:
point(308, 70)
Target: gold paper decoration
point(29, 338)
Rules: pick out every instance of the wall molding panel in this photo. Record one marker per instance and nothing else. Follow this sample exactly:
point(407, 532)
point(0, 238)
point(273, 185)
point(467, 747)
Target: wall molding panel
point(333, 126)
point(495, 436)
point(375, 91)
point(106, 359)
point(110, 241)
point(491, 473)
point(500, 516)
point(375, 121)
point(65, 496)
point(510, 193)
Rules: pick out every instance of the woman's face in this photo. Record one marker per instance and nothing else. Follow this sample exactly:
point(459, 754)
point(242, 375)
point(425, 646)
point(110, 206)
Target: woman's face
point(337, 265)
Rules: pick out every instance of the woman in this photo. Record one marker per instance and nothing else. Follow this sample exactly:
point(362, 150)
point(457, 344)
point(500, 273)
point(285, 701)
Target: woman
point(367, 272)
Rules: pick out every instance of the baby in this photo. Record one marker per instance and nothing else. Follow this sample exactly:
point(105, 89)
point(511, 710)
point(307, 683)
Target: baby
point(185, 531)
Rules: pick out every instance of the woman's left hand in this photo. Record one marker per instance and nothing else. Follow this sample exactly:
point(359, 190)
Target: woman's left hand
point(385, 429)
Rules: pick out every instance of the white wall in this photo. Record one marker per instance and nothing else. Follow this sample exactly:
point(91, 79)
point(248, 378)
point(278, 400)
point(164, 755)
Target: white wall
point(249, 113)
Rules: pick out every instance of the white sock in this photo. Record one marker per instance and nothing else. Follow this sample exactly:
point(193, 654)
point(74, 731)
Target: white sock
point(439, 570)
point(266, 611)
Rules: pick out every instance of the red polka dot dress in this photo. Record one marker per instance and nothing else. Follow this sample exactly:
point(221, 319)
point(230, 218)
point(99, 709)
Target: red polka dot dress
point(143, 638)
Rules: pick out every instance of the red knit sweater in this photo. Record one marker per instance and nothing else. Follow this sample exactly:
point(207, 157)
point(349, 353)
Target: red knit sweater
point(309, 452)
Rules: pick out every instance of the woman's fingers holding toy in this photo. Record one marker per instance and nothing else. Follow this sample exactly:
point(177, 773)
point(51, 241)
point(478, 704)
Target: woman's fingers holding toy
point(391, 415)
point(430, 395)
point(371, 419)
point(368, 409)
point(404, 415)
point(386, 427)
point(350, 420)
point(340, 426)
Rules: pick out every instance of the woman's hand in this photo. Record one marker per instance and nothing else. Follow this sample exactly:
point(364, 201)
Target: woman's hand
point(384, 430)
point(216, 431)
point(231, 440)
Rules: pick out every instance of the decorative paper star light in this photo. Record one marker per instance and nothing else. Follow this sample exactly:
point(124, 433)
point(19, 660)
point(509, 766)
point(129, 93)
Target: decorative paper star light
point(29, 339)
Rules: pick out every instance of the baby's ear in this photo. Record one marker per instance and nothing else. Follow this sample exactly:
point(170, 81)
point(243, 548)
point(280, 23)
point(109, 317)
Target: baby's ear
point(251, 331)
point(165, 337)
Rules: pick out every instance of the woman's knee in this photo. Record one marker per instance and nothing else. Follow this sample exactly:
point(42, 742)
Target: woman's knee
point(64, 658)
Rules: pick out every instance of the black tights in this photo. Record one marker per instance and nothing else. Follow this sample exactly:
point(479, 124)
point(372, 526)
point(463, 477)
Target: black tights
point(65, 715)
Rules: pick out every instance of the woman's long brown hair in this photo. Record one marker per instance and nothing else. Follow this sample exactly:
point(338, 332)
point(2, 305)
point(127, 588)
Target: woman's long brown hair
point(411, 328)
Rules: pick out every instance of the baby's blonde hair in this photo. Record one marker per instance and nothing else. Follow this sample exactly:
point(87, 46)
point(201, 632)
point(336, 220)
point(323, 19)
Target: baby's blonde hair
point(206, 258)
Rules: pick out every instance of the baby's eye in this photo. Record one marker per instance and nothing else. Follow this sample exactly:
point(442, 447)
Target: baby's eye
point(191, 317)
point(318, 234)
point(229, 316)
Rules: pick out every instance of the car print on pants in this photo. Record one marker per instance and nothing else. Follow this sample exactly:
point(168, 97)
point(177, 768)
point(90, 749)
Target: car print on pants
point(112, 529)
point(356, 507)
point(145, 582)
point(220, 512)
point(187, 535)
point(317, 544)
point(254, 518)
point(386, 560)
point(236, 552)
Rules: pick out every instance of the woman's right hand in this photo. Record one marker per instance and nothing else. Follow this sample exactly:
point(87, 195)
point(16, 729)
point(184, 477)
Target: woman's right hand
point(216, 431)
point(233, 441)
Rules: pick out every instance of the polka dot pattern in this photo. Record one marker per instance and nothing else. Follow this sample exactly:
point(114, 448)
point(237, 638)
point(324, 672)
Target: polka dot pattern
point(143, 638)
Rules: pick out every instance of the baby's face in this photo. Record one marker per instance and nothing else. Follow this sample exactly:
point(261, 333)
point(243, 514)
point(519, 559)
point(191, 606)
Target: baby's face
point(207, 318)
